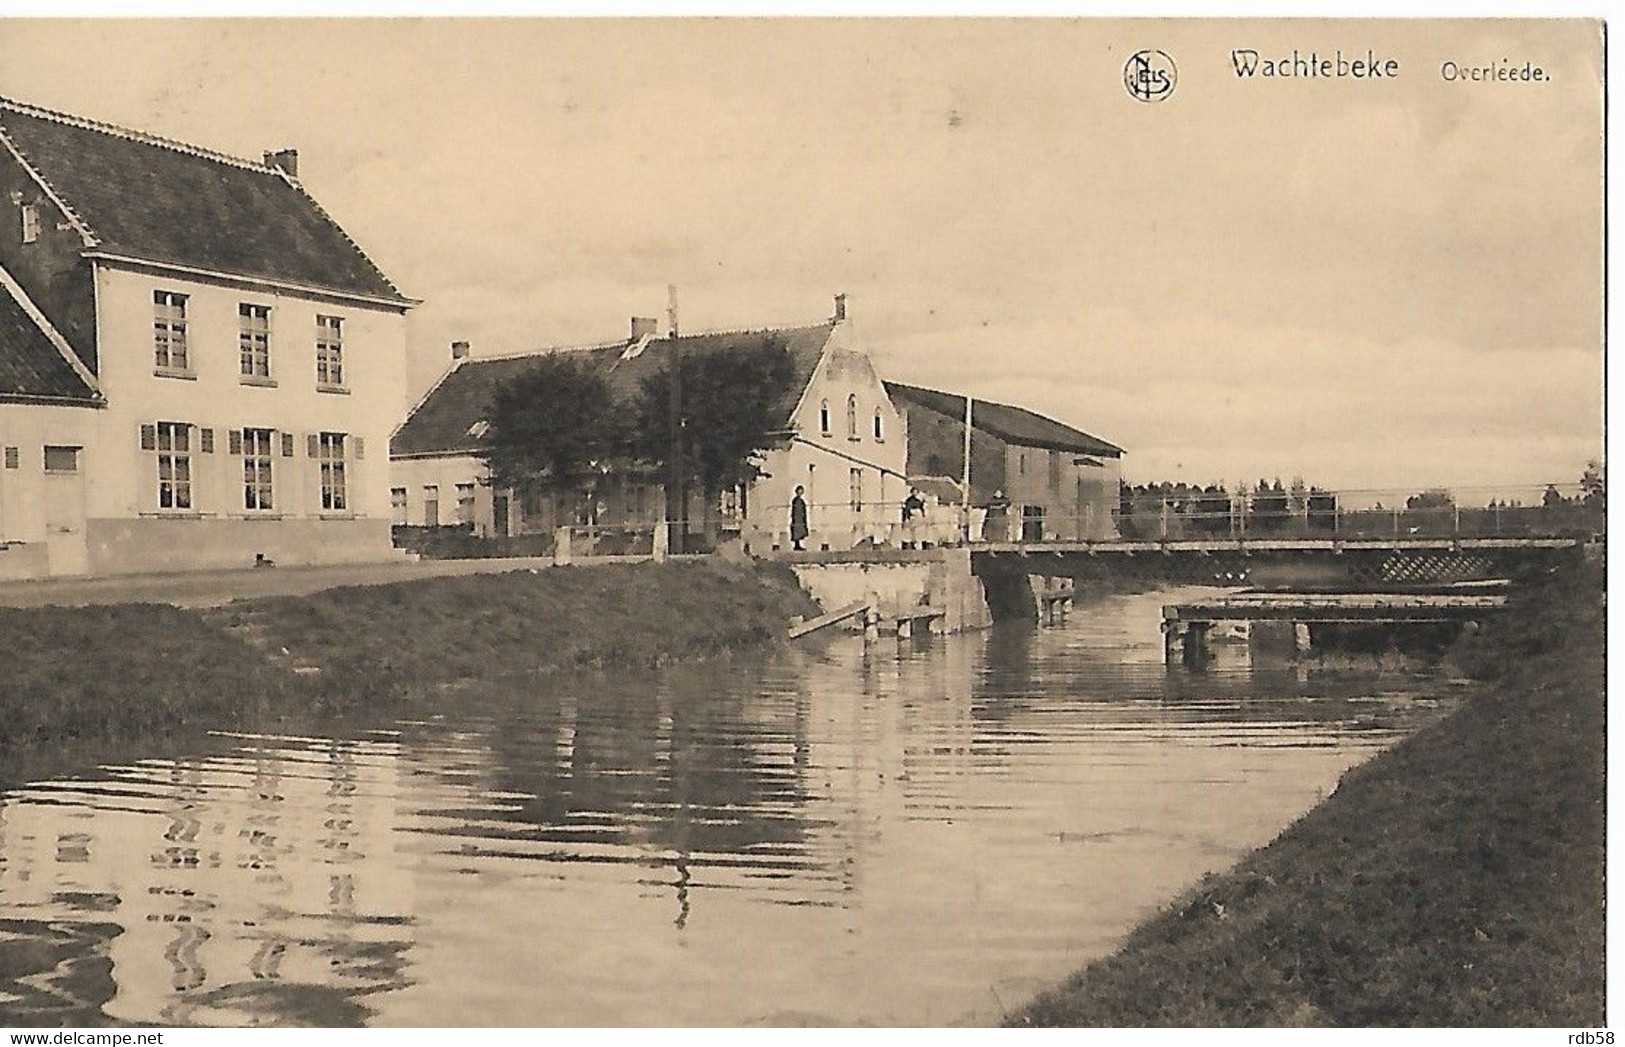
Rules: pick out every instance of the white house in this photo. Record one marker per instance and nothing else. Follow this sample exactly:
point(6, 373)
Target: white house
point(195, 359)
point(843, 441)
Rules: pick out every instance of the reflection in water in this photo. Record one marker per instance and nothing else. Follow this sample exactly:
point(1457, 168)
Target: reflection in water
point(923, 834)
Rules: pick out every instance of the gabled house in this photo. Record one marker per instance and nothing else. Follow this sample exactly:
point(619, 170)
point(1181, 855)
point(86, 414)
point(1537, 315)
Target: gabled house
point(843, 441)
point(195, 359)
point(1060, 481)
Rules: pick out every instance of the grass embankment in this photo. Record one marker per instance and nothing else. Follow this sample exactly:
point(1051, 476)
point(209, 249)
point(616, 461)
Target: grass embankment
point(1454, 880)
point(89, 672)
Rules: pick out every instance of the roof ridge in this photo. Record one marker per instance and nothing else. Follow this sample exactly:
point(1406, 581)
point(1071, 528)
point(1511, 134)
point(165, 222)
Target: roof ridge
point(134, 135)
point(747, 330)
point(520, 354)
point(620, 343)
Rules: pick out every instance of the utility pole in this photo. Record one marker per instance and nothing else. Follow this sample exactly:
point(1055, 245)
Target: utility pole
point(964, 478)
point(676, 495)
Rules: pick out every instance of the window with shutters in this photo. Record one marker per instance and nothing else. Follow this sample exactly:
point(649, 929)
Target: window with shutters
point(173, 442)
point(329, 352)
point(330, 453)
point(397, 505)
point(14, 458)
point(257, 452)
point(169, 351)
point(465, 503)
point(254, 340)
point(431, 504)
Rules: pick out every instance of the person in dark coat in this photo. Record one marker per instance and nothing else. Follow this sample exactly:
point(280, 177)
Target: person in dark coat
point(913, 514)
point(798, 520)
point(997, 527)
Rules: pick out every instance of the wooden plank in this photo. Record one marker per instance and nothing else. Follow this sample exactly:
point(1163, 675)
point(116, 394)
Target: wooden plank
point(840, 614)
point(1366, 608)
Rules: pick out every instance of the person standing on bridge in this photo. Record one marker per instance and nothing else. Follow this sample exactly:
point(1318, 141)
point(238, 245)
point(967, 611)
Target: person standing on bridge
point(996, 527)
point(798, 520)
point(913, 513)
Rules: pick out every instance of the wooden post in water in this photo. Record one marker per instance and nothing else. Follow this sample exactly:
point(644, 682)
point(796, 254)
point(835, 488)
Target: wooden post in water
point(1195, 645)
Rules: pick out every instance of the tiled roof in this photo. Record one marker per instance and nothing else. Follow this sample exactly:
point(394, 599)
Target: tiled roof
point(1015, 425)
point(31, 365)
point(161, 201)
point(441, 424)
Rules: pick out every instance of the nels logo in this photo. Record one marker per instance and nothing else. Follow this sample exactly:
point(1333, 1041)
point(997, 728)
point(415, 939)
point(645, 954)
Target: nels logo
point(1149, 76)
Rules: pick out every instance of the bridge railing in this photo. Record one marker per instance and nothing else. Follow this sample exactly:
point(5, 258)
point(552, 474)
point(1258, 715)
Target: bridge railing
point(1550, 510)
point(1547, 510)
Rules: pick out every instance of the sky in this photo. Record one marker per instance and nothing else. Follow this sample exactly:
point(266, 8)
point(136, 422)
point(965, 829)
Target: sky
point(1368, 283)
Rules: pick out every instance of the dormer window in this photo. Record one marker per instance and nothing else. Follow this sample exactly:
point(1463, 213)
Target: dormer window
point(479, 429)
point(30, 223)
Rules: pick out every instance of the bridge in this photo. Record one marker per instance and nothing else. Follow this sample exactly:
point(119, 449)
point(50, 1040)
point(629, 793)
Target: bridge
point(1266, 537)
point(1326, 561)
point(1344, 541)
point(1185, 626)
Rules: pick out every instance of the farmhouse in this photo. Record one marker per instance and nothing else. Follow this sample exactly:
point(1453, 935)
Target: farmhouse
point(195, 359)
point(843, 441)
point(1060, 481)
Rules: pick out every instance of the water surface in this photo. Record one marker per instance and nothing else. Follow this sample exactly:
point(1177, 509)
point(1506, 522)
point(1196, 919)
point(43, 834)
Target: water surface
point(926, 834)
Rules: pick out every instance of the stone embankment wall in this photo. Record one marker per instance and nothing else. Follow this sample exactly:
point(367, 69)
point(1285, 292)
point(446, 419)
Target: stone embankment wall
point(936, 578)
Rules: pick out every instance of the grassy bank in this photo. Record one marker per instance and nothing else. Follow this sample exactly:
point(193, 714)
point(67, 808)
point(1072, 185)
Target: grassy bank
point(1454, 880)
point(96, 671)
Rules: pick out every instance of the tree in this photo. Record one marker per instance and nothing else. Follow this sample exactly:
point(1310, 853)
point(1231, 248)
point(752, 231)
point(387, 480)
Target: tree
point(733, 410)
point(1432, 498)
point(1594, 485)
point(554, 424)
point(1270, 507)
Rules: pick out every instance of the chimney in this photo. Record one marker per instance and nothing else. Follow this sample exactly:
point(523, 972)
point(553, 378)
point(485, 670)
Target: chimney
point(644, 326)
point(286, 160)
point(840, 308)
point(459, 350)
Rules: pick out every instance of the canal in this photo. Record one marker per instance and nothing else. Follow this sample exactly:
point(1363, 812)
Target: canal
point(925, 834)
